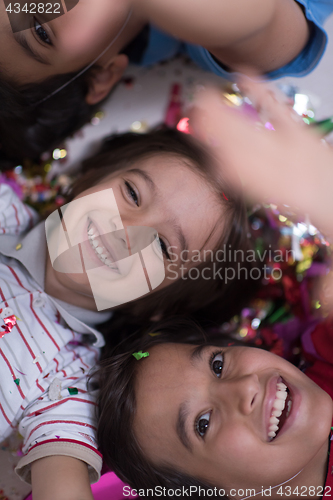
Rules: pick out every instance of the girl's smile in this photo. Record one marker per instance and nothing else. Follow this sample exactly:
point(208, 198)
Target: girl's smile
point(155, 204)
point(233, 417)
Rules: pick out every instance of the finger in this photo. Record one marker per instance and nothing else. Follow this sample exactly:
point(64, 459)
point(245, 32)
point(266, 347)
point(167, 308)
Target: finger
point(271, 104)
point(234, 137)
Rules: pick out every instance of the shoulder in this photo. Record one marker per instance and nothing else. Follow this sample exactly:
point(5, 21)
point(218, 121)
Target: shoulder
point(15, 216)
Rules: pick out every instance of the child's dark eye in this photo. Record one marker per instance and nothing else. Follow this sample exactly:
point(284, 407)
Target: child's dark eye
point(164, 248)
point(132, 193)
point(41, 33)
point(202, 424)
point(216, 363)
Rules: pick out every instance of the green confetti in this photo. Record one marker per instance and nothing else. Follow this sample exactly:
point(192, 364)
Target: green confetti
point(73, 391)
point(140, 354)
point(17, 381)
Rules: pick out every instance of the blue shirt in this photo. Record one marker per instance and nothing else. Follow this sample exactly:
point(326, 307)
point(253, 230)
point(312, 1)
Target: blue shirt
point(157, 46)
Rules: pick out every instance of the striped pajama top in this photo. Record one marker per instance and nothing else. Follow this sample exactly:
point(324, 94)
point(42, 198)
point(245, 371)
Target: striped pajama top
point(51, 345)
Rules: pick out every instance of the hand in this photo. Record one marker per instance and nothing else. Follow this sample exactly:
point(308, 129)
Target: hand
point(290, 165)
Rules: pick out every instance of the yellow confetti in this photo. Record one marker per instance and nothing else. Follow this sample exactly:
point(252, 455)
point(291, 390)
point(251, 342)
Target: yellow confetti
point(18, 247)
point(243, 332)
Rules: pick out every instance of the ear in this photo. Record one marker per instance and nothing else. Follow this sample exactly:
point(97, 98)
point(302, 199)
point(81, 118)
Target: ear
point(103, 79)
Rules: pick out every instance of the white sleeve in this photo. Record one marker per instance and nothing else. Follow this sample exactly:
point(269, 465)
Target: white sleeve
point(15, 216)
point(63, 419)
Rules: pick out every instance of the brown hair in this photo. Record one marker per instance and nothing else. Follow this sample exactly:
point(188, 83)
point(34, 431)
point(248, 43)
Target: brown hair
point(117, 405)
point(184, 296)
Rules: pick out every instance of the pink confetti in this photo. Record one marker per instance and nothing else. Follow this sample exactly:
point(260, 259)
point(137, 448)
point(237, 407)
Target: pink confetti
point(19, 371)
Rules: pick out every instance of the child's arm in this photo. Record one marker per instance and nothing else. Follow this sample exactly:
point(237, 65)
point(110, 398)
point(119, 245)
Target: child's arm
point(290, 165)
point(60, 478)
point(252, 32)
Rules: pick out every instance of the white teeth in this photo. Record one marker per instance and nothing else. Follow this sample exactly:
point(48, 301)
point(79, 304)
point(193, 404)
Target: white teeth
point(278, 406)
point(281, 395)
point(100, 250)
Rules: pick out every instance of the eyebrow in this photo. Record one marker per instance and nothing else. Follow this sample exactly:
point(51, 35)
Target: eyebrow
point(22, 41)
point(181, 236)
point(183, 413)
point(181, 426)
point(145, 176)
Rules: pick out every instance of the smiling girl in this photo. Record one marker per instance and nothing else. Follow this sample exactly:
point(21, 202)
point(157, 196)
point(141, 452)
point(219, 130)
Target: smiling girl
point(204, 413)
point(159, 189)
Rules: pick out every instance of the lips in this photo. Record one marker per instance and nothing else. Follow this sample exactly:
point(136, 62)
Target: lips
point(279, 406)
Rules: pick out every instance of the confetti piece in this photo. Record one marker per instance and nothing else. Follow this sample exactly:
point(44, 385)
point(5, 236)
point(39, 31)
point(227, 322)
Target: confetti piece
point(18, 247)
point(140, 354)
point(10, 322)
point(55, 390)
point(17, 381)
point(154, 334)
point(73, 391)
point(21, 373)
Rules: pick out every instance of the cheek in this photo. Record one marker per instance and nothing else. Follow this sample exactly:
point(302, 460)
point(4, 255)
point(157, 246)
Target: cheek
point(239, 458)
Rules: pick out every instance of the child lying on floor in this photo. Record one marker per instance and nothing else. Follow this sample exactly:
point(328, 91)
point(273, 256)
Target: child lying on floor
point(47, 340)
point(183, 412)
point(76, 59)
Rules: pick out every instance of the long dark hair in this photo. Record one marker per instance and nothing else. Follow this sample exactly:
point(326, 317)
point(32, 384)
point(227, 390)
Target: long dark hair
point(183, 296)
point(117, 405)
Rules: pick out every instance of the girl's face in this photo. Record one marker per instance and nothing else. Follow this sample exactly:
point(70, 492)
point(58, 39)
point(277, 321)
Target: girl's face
point(118, 221)
point(64, 44)
point(207, 410)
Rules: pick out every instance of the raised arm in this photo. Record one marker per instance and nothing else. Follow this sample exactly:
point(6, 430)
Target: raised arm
point(252, 32)
point(60, 478)
point(290, 165)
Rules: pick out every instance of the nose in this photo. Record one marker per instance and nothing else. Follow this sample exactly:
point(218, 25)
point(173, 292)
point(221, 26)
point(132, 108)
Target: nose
point(131, 239)
point(241, 392)
point(139, 237)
